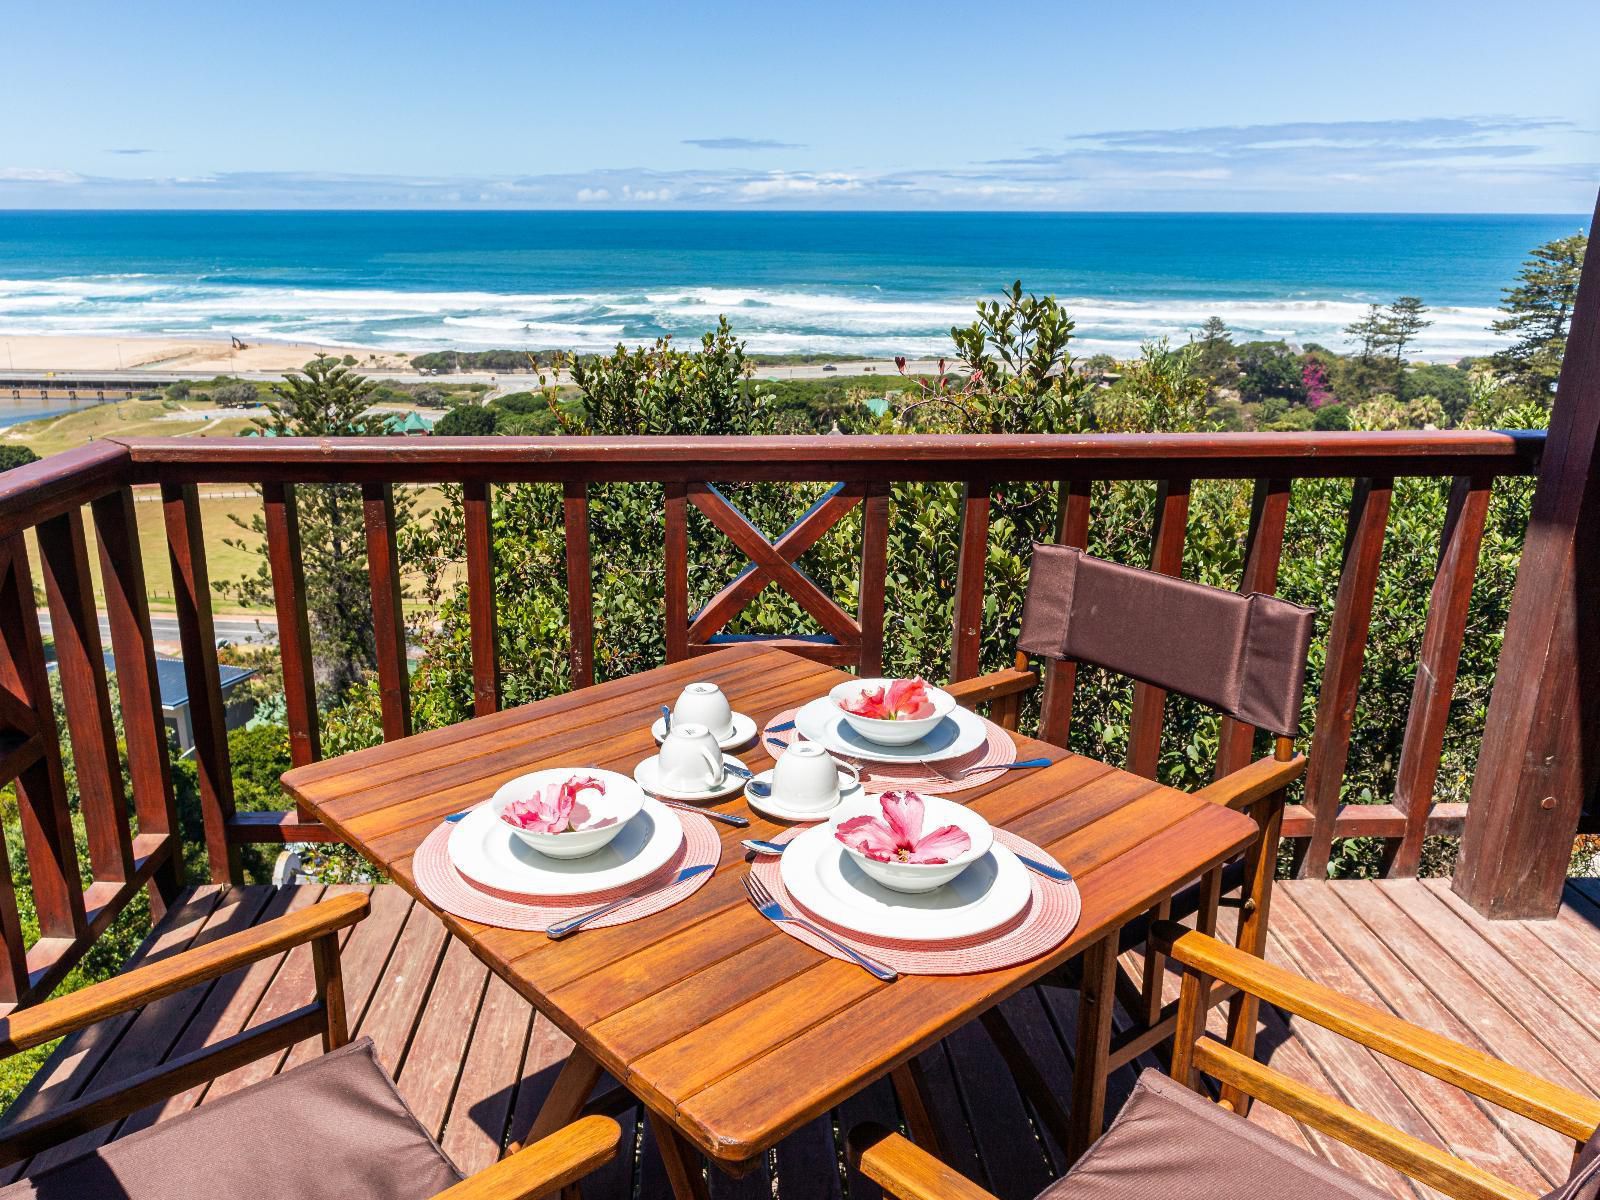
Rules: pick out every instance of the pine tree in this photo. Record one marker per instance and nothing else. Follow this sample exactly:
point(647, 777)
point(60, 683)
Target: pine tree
point(1539, 312)
point(327, 399)
point(1371, 334)
point(1403, 322)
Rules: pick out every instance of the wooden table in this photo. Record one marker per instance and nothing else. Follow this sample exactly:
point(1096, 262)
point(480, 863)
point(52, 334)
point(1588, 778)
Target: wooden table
point(731, 1032)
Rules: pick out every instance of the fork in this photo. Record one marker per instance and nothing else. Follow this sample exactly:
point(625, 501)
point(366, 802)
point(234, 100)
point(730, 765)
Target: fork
point(773, 911)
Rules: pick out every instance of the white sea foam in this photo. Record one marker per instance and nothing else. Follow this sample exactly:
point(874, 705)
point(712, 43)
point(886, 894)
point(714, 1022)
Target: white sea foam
point(771, 320)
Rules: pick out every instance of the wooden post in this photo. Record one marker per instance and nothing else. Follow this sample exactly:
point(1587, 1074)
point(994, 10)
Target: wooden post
point(1541, 745)
point(388, 614)
point(580, 582)
point(1072, 529)
point(480, 598)
point(294, 626)
point(967, 642)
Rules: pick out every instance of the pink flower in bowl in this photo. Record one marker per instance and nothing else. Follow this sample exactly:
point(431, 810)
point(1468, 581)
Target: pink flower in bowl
point(898, 836)
point(555, 808)
point(913, 843)
point(901, 700)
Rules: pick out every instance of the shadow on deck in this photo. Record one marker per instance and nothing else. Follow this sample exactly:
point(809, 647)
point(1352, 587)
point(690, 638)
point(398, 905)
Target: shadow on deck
point(475, 1062)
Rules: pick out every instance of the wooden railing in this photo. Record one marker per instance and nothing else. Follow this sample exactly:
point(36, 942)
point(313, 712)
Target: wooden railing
point(50, 497)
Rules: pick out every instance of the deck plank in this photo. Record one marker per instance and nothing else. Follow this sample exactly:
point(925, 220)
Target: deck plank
point(476, 1127)
point(432, 1065)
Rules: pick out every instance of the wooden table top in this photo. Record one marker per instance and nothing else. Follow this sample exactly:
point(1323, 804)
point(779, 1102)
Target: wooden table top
point(706, 1011)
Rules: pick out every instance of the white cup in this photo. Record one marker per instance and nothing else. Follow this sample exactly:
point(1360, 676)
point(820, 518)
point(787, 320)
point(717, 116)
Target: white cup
point(704, 704)
point(805, 778)
point(690, 759)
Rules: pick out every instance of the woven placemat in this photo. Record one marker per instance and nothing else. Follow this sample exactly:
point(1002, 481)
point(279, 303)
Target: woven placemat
point(884, 777)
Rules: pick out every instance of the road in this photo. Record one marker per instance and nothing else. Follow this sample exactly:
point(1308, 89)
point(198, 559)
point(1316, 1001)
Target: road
point(240, 630)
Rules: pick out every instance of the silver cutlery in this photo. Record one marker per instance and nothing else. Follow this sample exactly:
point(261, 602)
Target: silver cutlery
point(1059, 874)
point(572, 924)
point(733, 819)
point(773, 911)
point(956, 774)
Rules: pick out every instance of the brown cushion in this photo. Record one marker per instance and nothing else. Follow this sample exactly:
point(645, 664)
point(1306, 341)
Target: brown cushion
point(1167, 1142)
point(332, 1129)
point(1584, 1182)
point(1244, 655)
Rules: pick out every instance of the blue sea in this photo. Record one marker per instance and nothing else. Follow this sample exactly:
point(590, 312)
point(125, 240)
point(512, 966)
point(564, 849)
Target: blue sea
point(790, 282)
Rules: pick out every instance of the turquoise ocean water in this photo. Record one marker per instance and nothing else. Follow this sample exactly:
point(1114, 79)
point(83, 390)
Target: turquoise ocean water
point(870, 283)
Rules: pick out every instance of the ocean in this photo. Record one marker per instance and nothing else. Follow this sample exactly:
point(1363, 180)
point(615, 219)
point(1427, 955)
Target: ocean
point(789, 282)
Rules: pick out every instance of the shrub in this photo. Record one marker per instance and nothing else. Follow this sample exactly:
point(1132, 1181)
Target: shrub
point(466, 420)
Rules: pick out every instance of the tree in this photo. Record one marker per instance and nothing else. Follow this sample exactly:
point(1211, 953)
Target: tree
point(1539, 313)
point(1403, 322)
point(1315, 381)
point(1371, 335)
point(16, 456)
point(1270, 369)
point(326, 400)
point(1214, 351)
point(466, 420)
point(237, 394)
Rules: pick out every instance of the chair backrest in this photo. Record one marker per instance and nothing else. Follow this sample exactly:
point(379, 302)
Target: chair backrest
point(1242, 654)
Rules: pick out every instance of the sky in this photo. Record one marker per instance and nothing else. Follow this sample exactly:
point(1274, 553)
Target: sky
point(1399, 106)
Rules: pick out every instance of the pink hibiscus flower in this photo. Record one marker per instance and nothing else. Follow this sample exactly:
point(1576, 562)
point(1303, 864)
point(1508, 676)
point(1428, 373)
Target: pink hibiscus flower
point(903, 700)
point(899, 837)
point(556, 807)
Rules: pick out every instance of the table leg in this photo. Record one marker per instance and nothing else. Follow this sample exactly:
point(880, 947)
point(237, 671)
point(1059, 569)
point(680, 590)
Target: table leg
point(909, 1088)
point(1096, 999)
point(681, 1159)
point(561, 1107)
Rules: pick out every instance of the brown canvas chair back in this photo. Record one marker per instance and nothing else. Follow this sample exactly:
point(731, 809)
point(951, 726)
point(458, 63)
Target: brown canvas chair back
point(1244, 655)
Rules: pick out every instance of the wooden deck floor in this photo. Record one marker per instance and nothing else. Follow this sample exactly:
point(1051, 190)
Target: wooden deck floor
point(475, 1062)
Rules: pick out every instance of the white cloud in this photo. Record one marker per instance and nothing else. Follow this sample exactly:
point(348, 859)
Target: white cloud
point(780, 183)
point(38, 175)
point(593, 195)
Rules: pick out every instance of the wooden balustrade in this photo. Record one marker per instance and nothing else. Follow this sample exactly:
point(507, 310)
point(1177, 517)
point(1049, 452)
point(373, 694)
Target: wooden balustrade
point(49, 497)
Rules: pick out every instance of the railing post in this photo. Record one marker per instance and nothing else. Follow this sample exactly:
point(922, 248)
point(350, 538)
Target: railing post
point(1437, 664)
point(1541, 746)
point(41, 788)
point(874, 577)
point(294, 625)
point(580, 581)
point(116, 528)
point(675, 563)
point(75, 621)
point(480, 597)
point(1341, 672)
point(191, 589)
point(967, 644)
point(388, 615)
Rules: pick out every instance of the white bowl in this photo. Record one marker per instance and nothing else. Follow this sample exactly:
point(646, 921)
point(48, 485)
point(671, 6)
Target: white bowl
point(621, 803)
point(890, 733)
point(937, 812)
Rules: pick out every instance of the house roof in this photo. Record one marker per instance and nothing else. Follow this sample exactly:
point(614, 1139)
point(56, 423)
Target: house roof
point(174, 685)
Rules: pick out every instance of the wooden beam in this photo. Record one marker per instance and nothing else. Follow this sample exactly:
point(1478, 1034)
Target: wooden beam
point(480, 597)
point(1541, 746)
point(580, 582)
point(967, 641)
point(388, 613)
point(294, 626)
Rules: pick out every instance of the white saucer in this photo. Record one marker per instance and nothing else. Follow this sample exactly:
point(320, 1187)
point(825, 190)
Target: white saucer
point(772, 806)
point(962, 732)
point(486, 851)
point(648, 776)
point(744, 730)
point(820, 875)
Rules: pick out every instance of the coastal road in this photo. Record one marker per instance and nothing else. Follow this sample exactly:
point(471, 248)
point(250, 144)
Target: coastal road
point(239, 630)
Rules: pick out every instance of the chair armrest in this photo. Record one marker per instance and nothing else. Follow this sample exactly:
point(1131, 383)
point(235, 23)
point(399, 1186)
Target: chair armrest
point(1248, 784)
point(67, 1014)
point(983, 688)
point(546, 1166)
point(1555, 1107)
point(905, 1170)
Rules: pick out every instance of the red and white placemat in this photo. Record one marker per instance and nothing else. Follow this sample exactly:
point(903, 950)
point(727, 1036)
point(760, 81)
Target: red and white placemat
point(883, 777)
point(1048, 920)
point(452, 891)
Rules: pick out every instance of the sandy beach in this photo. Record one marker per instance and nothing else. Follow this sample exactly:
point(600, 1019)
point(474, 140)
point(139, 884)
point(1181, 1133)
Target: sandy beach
point(69, 352)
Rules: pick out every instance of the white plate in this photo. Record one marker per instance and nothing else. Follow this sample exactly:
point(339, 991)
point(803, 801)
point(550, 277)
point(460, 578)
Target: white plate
point(485, 850)
point(744, 730)
point(962, 732)
point(820, 875)
point(773, 805)
point(648, 776)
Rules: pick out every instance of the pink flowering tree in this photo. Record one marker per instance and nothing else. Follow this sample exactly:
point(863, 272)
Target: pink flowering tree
point(1315, 381)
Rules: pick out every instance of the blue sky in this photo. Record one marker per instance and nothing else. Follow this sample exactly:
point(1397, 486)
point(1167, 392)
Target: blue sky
point(1348, 106)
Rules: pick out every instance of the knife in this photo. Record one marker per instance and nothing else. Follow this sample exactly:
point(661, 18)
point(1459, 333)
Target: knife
point(572, 924)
